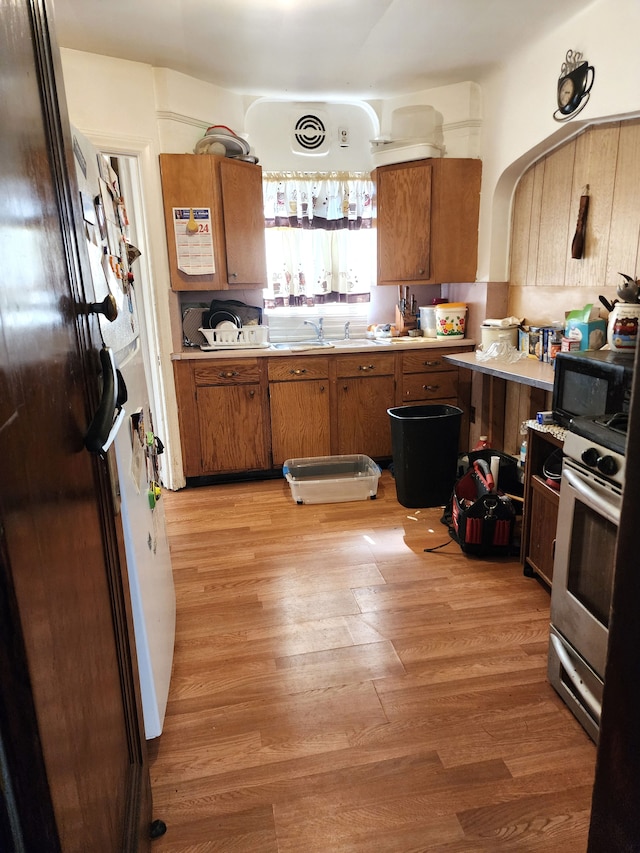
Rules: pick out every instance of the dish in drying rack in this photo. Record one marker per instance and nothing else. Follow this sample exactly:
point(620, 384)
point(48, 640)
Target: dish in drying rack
point(224, 316)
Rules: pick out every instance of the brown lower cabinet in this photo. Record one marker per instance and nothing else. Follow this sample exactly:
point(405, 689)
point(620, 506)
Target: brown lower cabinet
point(299, 408)
point(222, 410)
point(365, 389)
point(429, 379)
point(252, 414)
point(540, 507)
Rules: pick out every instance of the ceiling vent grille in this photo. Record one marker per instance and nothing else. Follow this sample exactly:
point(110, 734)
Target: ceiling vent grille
point(310, 135)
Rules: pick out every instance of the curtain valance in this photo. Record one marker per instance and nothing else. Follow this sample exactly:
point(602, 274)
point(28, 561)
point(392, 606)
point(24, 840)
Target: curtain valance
point(327, 200)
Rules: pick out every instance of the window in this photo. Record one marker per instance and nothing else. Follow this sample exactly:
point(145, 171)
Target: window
point(320, 238)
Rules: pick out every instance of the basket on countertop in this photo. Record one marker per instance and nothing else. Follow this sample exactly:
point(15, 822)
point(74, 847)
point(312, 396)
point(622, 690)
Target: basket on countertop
point(245, 337)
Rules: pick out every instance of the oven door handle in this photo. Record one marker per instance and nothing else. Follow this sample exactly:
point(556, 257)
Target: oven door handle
point(583, 691)
point(592, 497)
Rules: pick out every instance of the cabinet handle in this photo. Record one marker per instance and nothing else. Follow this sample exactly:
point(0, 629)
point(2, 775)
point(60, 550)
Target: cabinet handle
point(252, 393)
point(298, 372)
point(420, 272)
point(229, 374)
point(233, 275)
point(432, 363)
point(366, 367)
point(322, 387)
point(430, 387)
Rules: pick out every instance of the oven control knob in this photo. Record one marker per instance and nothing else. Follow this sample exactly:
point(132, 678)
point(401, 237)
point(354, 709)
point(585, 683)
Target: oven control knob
point(607, 465)
point(590, 457)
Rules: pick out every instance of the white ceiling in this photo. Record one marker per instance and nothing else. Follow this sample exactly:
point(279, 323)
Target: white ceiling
point(363, 49)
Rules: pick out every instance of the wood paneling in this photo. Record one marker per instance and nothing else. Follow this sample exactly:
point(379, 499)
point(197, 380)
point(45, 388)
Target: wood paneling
point(625, 215)
point(554, 241)
point(335, 688)
point(545, 211)
point(595, 166)
point(521, 229)
point(534, 225)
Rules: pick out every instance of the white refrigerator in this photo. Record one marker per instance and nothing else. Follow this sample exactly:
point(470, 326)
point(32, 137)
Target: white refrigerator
point(138, 451)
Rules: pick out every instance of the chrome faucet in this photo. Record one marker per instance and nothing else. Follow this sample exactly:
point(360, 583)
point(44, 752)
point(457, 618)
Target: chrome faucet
point(318, 328)
point(346, 330)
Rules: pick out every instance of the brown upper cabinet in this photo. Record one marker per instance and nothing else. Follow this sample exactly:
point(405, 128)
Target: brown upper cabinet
point(232, 191)
point(427, 221)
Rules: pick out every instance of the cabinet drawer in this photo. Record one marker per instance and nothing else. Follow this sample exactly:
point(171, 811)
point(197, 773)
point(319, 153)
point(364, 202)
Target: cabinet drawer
point(432, 385)
point(419, 362)
point(303, 367)
point(365, 364)
point(227, 372)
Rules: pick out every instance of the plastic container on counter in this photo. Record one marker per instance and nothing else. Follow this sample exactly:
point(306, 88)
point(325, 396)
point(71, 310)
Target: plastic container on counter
point(428, 321)
point(451, 320)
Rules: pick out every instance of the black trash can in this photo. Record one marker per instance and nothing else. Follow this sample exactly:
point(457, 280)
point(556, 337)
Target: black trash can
point(425, 453)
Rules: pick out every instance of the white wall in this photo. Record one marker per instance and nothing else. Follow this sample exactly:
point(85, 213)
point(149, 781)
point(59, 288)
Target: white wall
point(519, 101)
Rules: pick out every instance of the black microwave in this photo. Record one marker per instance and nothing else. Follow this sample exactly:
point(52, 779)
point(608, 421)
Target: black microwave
point(591, 383)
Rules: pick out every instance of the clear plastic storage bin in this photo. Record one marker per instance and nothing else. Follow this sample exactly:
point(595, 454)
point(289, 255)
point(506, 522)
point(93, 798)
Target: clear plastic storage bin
point(332, 479)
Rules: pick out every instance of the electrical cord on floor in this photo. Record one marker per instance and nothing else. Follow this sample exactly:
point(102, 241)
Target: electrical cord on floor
point(437, 547)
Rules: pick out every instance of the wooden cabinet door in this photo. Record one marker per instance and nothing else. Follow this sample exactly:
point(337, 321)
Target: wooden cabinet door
point(232, 429)
point(241, 185)
point(542, 539)
point(74, 762)
point(455, 210)
point(428, 221)
point(232, 191)
point(300, 420)
point(363, 422)
point(404, 222)
point(189, 180)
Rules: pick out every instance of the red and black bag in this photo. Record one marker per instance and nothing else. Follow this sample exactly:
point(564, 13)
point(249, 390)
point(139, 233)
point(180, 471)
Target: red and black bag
point(480, 518)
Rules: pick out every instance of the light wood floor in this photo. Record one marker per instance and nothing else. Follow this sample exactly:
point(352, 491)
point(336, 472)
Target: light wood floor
point(337, 689)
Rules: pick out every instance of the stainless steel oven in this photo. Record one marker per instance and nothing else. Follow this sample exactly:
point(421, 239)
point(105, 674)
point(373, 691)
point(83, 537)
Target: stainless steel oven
point(588, 519)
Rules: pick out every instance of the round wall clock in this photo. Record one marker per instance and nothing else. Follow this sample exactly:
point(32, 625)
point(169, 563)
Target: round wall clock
point(574, 85)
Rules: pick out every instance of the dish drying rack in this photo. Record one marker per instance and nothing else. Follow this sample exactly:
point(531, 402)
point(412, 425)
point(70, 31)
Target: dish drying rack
point(245, 337)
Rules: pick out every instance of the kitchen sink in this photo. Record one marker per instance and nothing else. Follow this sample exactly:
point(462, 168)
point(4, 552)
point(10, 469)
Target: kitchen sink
point(358, 342)
point(299, 345)
point(342, 343)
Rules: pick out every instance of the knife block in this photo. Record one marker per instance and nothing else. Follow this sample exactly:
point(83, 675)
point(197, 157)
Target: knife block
point(405, 322)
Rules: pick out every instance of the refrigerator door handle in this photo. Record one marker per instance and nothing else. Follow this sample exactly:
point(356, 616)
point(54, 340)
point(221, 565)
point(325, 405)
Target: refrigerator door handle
point(110, 414)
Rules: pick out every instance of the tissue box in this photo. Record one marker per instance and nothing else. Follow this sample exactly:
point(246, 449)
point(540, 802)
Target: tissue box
point(590, 334)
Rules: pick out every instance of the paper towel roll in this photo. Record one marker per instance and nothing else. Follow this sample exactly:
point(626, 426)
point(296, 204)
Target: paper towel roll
point(503, 323)
point(495, 470)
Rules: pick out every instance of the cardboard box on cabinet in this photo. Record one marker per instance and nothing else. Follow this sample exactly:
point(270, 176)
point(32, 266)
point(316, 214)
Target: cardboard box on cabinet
point(589, 330)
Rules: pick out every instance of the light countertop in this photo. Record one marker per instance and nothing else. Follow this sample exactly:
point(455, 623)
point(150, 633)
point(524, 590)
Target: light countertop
point(336, 348)
point(527, 371)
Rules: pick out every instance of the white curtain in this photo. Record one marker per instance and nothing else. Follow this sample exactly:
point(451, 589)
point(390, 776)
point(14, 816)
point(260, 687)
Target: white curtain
point(319, 235)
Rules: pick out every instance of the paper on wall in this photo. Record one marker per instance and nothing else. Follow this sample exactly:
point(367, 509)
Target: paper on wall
point(194, 246)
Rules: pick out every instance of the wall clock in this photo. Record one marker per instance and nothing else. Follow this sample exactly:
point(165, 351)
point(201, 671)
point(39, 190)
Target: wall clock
point(574, 85)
